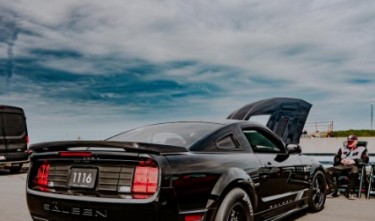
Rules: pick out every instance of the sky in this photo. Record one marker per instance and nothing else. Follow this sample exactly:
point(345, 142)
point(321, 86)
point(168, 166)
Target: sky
point(90, 69)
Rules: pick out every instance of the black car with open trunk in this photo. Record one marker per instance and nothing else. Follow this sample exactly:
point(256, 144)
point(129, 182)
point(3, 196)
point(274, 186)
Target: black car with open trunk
point(182, 171)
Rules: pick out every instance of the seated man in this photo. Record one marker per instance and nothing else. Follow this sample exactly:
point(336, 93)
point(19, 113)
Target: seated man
point(346, 162)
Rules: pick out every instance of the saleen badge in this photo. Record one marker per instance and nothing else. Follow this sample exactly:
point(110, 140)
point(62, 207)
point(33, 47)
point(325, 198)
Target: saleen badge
point(75, 211)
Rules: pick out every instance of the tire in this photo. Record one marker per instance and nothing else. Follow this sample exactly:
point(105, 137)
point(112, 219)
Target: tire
point(317, 192)
point(236, 206)
point(16, 169)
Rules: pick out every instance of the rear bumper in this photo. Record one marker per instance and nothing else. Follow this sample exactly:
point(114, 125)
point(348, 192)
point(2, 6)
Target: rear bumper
point(45, 208)
point(8, 159)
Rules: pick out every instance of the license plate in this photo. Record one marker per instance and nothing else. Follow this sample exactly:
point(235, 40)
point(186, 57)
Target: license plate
point(82, 177)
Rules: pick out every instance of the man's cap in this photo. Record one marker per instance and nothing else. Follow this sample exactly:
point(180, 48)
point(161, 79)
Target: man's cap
point(352, 137)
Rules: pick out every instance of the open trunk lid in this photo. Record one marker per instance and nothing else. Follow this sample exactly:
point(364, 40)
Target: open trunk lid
point(287, 116)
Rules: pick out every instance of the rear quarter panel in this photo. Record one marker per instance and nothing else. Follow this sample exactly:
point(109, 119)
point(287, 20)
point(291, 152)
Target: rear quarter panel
point(194, 176)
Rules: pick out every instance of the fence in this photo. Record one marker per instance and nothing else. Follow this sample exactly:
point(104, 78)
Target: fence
point(318, 129)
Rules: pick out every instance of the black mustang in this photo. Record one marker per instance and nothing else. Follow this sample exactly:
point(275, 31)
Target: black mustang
point(182, 171)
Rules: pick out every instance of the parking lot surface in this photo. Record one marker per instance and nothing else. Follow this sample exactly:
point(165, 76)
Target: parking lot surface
point(13, 205)
point(341, 209)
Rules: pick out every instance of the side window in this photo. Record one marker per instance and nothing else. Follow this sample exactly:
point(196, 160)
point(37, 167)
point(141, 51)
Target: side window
point(168, 138)
point(229, 142)
point(260, 143)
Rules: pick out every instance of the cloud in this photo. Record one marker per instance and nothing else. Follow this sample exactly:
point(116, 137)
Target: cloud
point(194, 59)
point(8, 36)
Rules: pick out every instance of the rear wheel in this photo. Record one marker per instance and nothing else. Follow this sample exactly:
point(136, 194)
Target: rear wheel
point(16, 168)
point(317, 192)
point(236, 206)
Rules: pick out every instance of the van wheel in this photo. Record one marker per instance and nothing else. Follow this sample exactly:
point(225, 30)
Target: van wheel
point(16, 169)
point(317, 192)
point(236, 206)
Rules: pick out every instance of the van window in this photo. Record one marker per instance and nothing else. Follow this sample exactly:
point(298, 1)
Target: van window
point(13, 138)
point(15, 124)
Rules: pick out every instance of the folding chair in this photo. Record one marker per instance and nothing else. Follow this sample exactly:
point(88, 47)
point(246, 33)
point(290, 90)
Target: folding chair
point(343, 181)
point(371, 181)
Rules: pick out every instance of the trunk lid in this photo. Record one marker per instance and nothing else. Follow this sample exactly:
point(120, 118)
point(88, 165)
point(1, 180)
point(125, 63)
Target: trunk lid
point(98, 170)
point(287, 116)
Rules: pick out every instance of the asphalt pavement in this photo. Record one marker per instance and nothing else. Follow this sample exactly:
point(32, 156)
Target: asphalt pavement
point(13, 205)
point(340, 209)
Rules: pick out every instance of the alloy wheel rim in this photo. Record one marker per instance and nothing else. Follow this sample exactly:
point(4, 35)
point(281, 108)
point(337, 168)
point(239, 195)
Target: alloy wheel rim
point(237, 213)
point(318, 192)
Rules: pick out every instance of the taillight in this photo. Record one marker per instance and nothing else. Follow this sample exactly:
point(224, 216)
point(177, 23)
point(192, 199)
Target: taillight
point(29, 152)
point(193, 217)
point(27, 139)
point(145, 181)
point(42, 175)
point(75, 154)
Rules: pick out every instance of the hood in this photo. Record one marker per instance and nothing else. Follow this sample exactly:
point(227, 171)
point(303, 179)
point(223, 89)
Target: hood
point(287, 116)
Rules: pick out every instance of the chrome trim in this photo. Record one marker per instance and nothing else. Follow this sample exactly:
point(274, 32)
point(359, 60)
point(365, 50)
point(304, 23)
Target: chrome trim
point(90, 199)
point(37, 218)
point(298, 194)
point(12, 162)
point(193, 212)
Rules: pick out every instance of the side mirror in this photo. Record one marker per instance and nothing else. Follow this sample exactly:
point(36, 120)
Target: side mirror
point(294, 149)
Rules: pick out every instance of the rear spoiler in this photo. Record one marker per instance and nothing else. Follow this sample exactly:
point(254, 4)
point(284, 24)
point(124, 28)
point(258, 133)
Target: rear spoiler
point(86, 145)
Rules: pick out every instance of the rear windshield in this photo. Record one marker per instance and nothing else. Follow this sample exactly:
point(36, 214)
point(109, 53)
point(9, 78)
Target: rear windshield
point(12, 124)
point(182, 134)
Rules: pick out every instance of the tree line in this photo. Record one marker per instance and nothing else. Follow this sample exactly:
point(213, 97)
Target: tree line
point(359, 133)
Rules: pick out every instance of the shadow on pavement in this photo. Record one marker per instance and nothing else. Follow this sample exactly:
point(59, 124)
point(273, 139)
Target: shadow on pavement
point(5, 172)
point(296, 216)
